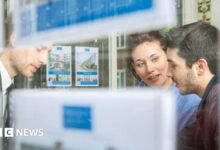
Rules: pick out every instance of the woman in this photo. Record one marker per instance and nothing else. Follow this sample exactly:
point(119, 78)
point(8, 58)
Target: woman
point(148, 63)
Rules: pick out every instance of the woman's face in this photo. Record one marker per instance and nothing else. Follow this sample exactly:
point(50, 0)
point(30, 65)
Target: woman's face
point(150, 64)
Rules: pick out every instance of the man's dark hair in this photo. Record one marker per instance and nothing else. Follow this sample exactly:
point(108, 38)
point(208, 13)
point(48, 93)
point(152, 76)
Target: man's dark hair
point(136, 39)
point(195, 41)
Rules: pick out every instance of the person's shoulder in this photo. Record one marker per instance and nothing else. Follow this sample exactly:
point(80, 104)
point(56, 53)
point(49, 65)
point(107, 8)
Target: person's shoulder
point(187, 97)
point(192, 97)
point(189, 103)
point(191, 100)
point(215, 86)
point(142, 84)
point(213, 93)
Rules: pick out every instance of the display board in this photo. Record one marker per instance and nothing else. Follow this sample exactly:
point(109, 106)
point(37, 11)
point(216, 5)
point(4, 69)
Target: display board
point(59, 66)
point(94, 119)
point(64, 20)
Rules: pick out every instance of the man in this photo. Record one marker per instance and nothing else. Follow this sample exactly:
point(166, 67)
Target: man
point(23, 61)
point(12, 62)
point(192, 55)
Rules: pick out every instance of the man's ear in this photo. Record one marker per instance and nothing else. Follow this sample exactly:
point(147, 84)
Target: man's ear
point(200, 66)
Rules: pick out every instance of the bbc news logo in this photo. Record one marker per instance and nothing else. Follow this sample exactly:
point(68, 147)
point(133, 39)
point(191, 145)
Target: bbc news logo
point(11, 132)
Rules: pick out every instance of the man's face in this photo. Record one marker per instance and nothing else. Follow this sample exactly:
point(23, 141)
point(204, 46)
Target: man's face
point(185, 77)
point(28, 61)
